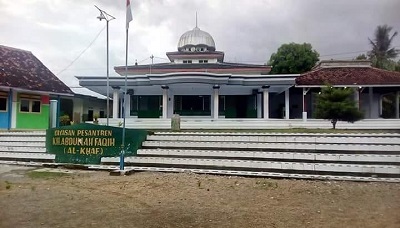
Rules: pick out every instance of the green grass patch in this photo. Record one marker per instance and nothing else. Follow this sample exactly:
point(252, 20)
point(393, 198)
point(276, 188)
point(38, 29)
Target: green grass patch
point(46, 175)
point(266, 184)
point(8, 185)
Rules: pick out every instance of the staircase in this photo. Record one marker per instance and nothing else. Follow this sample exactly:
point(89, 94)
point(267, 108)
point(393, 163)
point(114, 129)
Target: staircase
point(362, 157)
point(356, 157)
point(24, 146)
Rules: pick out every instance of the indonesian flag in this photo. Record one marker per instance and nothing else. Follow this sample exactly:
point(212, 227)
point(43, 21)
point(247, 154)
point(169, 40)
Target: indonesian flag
point(128, 13)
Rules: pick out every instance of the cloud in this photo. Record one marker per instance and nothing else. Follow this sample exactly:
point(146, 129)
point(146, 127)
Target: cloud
point(56, 31)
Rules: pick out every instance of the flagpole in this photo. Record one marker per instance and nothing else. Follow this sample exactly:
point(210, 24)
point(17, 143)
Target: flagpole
point(122, 157)
point(128, 19)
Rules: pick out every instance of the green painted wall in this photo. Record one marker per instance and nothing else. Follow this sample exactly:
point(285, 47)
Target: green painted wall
point(34, 120)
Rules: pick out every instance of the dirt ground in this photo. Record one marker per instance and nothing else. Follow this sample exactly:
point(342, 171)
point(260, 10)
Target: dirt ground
point(95, 199)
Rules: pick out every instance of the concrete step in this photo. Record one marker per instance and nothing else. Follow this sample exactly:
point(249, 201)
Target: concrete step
point(23, 133)
point(22, 149)
point(254, 155)
point(220, 172)
point(276, 139)
point(27, 156)
point(249, 165)
point(22, 139)
point(22, 144)
point(270, 146)
point(255, 133)
point(247, 173)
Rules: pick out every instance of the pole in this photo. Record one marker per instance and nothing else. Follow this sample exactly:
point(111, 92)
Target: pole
point(108, 82)
point(121, 161)
point(105, 16)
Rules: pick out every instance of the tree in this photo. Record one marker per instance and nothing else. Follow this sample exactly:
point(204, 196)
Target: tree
point(388, 64)
point(293, 59)
point(336, 104)
point(361, 57)
point(381, 46)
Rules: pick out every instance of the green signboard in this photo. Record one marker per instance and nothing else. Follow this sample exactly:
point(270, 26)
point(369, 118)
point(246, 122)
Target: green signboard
point(88, 143)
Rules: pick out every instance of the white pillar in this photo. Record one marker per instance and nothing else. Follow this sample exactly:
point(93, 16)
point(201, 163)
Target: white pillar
point(216, 101)
point(371, 99)
point(265, 101)
point(304, 105)
point(115, 102)
point(14, 109)
point(259, 106)
point(165, 102)
point(287, 104)
point(397, 104)
point(357, 98)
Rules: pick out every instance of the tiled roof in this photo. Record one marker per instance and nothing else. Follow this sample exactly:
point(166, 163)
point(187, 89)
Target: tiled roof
point(349, 75)
point(21, 69)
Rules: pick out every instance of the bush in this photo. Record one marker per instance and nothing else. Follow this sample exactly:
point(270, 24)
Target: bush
point(336, 104)
point(65, 120)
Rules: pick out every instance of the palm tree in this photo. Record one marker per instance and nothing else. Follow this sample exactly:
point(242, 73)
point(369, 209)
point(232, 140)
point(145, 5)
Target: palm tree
point(381, 46)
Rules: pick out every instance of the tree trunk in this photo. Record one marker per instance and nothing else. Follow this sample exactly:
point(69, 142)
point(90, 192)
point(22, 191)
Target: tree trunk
point(334, 123)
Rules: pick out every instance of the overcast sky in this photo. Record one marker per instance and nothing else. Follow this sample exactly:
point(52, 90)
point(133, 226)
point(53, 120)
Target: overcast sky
point(57, 31)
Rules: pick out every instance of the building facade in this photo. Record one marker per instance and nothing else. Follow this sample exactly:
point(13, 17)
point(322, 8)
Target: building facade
point(197, 83)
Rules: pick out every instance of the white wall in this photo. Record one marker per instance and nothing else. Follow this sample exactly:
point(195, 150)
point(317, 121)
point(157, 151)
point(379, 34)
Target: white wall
point(195, 60)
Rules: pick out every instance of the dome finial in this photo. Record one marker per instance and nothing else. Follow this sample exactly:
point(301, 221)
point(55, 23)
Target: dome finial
point(196, 19)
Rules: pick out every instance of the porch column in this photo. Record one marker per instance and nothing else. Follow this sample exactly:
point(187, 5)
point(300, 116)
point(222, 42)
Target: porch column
point(216, 101)
point(127, 103)
point(115, 102)
point(287, 105)
point(165, 101)
point(14, 109)
point(357, 98)
point(305, 91)
point(259, 105)
point(265, 101)
point(10, 108)
point(370, 100)
point(129, 94)
point(397, 104)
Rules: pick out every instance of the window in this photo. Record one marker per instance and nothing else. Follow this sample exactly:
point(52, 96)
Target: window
point(187, 61)
point(30, 106)
point(24, 106)
point(203, 61)
point(35, 106)
point(3, 104)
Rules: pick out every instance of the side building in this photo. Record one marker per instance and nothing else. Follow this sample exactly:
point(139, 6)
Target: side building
point(26, 86)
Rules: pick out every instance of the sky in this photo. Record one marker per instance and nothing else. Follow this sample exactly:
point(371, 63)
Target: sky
point(69, 39)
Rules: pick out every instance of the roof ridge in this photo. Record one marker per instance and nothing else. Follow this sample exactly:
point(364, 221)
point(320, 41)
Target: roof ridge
point(391, 71)
point(13, 48)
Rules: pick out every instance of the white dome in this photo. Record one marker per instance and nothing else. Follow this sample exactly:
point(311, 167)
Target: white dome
point(196, 38)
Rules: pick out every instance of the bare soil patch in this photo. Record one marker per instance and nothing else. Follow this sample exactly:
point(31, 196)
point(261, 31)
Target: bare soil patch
point(95, 199)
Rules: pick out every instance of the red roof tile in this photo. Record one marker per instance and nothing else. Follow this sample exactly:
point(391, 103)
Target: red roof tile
point(349, 76)
point(21, 69)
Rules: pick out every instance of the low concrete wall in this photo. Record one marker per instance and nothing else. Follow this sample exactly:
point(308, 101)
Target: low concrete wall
point(206, 123)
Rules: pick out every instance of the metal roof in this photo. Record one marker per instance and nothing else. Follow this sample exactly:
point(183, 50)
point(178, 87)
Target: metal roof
point(196, 37)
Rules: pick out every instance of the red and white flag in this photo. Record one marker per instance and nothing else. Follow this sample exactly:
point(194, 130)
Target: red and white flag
point(128, 13)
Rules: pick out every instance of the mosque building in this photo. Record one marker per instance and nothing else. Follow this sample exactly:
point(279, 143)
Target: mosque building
point(198, 83)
